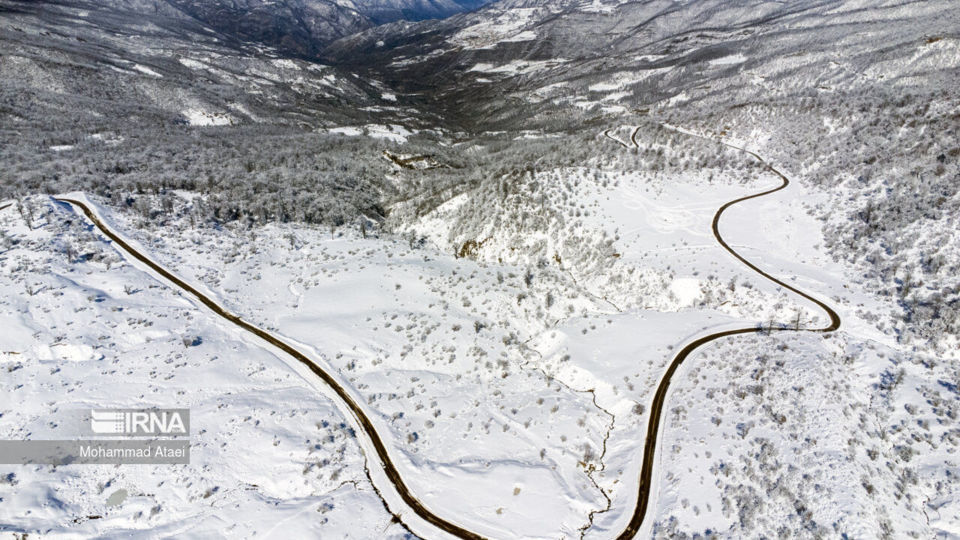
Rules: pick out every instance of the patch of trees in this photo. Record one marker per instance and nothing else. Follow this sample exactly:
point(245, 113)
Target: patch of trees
point(253, 174)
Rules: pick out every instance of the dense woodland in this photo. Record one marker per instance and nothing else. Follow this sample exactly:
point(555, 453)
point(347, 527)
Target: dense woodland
point(249, 174)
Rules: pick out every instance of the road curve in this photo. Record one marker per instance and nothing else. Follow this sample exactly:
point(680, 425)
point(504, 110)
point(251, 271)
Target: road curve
point(660, 397)
point(656, 408)
point(616, 140)
point(388, 466)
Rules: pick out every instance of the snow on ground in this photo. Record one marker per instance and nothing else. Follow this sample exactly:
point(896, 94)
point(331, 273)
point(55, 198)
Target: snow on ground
point(843, 434)
point(202, 117)
point(147, 71)
point(619, 348)
point(512, 383)
point(600, 6)
point(728, 60)
point(517, 67)
point(624, 79)
point(285, 63)
point(718, 449)
point(349, 131)
point(242, 109)
point(193, 64)
point(671, 283)
point(392, 132)
point(508, 26)
point(84, 329)
point(432, 357)
point(109, 139)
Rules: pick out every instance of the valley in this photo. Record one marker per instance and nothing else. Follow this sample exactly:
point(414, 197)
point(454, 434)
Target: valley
point(574, 269)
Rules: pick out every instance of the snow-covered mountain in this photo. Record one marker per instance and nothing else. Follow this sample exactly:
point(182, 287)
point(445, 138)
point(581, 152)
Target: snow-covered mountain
point(497, 257)
point(384, 11)
point(300, 27)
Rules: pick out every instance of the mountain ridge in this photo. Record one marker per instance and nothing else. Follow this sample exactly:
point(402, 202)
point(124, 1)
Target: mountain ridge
point(300, 27)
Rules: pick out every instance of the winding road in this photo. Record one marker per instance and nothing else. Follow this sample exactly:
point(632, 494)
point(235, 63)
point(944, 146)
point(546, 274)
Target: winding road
point(359, 415)
point(363, 420)
point(660, 396)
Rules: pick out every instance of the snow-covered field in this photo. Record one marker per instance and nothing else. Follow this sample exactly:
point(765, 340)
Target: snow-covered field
point(83, 328)
point(517, 207)
point(507, 27)
point(512, 383)
point(392, 132)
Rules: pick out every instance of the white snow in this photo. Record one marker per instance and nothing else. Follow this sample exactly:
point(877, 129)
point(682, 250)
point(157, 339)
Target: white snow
point(390, 132)
point(147, 71)
point(109, 139)
point(517, 67)
point(201, 117)
point(285, 63)
point(349, 131)
point(192, 64)
point(507, 26)
point(729, 60)
point(514, 406)
point(268, 453)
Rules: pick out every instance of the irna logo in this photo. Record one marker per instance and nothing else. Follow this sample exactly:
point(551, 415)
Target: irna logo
point(140, 422)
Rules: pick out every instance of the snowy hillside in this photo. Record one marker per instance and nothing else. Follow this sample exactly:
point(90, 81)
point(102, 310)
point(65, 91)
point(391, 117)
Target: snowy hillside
point(85, 328)
point(299, 27)
point(574, 269)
